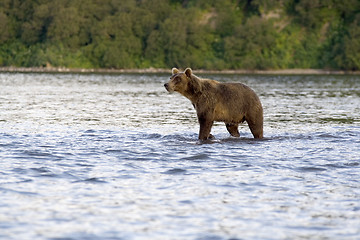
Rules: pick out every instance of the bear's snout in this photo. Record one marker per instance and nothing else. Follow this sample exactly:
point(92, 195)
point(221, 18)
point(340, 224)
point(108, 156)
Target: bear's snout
point(169, 87)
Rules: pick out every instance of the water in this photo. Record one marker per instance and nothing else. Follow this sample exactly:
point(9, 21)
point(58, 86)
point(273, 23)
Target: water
point(117, 157)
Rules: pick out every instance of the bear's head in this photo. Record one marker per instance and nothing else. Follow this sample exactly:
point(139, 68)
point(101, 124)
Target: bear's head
point(184, 83)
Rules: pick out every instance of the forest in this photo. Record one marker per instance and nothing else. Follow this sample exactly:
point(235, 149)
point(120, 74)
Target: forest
point(202, 34)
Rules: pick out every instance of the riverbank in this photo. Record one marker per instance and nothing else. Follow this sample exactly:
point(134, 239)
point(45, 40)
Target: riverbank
point(163, 70)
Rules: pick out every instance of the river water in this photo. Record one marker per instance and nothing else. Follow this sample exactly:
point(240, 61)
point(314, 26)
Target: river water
point(91, 156)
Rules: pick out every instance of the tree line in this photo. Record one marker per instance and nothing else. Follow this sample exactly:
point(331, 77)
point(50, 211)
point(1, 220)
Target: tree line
point(206, 34)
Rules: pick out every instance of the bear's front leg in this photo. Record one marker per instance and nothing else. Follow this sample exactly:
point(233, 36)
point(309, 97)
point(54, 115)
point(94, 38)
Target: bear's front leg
point(205, 127)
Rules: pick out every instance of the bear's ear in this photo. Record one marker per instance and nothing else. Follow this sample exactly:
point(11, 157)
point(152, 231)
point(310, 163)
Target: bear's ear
point(188, 72)
point(175, 71)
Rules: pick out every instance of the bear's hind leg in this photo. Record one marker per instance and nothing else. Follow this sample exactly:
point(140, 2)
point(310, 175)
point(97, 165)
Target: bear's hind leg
point(255, 121)
point(233, 129)
point(256, 128)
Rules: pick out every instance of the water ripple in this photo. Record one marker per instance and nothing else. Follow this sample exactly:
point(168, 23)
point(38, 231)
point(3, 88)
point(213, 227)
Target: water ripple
point(116, 157)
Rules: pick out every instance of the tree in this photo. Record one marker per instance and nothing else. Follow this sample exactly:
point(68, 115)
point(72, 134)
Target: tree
point(166, 33)
point(352, 46)
point(5, 32)
point(252, 45)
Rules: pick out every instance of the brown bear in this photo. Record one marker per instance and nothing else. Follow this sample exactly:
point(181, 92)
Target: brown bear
point(231, 103)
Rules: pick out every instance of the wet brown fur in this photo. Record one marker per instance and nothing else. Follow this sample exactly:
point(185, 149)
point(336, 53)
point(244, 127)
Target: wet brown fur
point(231, 103)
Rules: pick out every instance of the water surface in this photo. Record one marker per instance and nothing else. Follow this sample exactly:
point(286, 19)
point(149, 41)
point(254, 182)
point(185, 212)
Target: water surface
point(87, 156)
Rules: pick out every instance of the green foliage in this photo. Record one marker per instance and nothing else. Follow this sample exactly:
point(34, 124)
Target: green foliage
point(252, 45)
point(352, 45)
point(208, 34)
point(333, 47)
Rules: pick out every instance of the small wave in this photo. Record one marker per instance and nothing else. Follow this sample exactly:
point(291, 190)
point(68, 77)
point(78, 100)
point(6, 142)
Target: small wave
point(91, 180)
point(212, 237)
point(37, 153)
point(344, 120)
point(352, 164)
point(342, 165)
point(197, 157)
point(90, 131)
point(334, 165)
point(84, 165)
point(289, 137)
point(208, 141)
point(175, 171)
point(311, 169)
point(19, 170)
point(244, 140)
point(180, 137)
point(127, 176)
point(152, 136)
point(115, 151)
point(18, 192)
point(40, 170)
point(329, 136)
point(6, 145)
point(87, 119)
point(43, 172)
point(311, 136)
